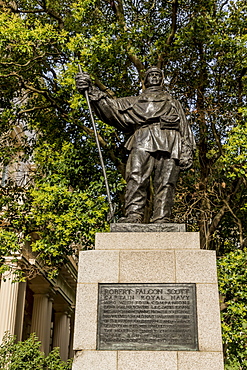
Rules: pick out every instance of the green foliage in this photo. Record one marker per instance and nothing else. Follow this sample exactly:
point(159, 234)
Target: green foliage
point(233, 289)
point(236, 152)
point(59, 210)
point(63, 211)
point(26, 355)
point(53, 361)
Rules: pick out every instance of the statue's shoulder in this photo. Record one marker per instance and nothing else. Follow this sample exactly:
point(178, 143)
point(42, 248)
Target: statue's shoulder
point(173, 100)
point(167, 96)
point(126, 102)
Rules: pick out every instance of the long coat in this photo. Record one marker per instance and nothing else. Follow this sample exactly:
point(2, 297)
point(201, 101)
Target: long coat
point(156, 120)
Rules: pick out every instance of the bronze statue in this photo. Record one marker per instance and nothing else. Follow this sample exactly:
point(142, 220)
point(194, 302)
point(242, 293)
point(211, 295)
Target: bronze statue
point(161, 143)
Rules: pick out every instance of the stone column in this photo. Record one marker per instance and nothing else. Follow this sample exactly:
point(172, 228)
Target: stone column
point(62, 333)
point(66, 352)
point(71, 339)
point(48, 326)
point(20, 310)
point(41, 320)
point(8, 302)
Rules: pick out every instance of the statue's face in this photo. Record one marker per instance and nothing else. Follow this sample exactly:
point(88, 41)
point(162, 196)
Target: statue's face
point(154, 78)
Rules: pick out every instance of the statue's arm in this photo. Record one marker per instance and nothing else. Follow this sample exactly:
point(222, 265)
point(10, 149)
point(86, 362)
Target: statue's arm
point(106, 108)
point(188, 140)
point(185, 129)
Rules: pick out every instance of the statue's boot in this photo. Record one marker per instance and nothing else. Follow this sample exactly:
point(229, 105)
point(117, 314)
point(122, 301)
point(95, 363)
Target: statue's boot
point(163, 220)
point(132, 218)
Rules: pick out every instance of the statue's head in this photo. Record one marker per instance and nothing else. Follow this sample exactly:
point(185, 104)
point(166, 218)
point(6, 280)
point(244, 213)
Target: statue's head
point(153, 77)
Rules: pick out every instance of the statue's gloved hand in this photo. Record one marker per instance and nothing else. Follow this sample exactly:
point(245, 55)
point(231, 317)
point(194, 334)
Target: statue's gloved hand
point(83, 81)
point(186, 157)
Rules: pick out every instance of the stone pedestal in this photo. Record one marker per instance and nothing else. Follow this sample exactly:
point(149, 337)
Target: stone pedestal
point(148, 258)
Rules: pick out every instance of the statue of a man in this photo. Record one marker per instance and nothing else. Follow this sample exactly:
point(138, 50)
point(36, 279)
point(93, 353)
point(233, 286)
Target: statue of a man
point(161, 143)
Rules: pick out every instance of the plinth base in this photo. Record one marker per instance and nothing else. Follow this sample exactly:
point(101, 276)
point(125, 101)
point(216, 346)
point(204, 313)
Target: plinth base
point(144, 228)
point(147, 360)
point(140, 258)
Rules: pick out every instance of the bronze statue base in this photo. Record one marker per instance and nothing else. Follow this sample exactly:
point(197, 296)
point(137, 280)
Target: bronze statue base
point(137, 227)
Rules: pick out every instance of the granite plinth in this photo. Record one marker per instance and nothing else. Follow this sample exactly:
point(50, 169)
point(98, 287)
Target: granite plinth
point(147, 228)
point(147, 360)
point(146, 258)
point(152, 241)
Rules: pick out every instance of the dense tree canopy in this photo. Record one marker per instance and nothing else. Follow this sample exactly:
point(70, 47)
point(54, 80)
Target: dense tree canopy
point(200, 44)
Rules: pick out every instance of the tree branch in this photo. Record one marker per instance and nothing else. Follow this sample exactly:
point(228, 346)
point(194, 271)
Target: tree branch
point(103, 144)
point(238, 221)
point(14, 8)
point(170, 37)
point(217, 140)
point(220, 214)
point(22, 65)
point(117, 7)
point(31, 88)
point(104, 88)
point(240, 85)
point(33, 109)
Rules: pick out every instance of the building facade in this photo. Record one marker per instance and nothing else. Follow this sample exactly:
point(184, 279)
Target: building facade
point(39, 305)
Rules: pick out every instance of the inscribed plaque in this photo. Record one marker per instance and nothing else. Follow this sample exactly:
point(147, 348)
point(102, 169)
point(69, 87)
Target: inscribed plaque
point(147, 317)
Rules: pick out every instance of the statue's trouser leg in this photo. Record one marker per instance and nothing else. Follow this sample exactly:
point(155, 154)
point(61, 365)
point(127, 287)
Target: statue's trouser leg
point(138, 170)
point(166, 174)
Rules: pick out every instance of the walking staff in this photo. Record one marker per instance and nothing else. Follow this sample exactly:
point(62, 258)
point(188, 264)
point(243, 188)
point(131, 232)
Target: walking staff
point(111, 213)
